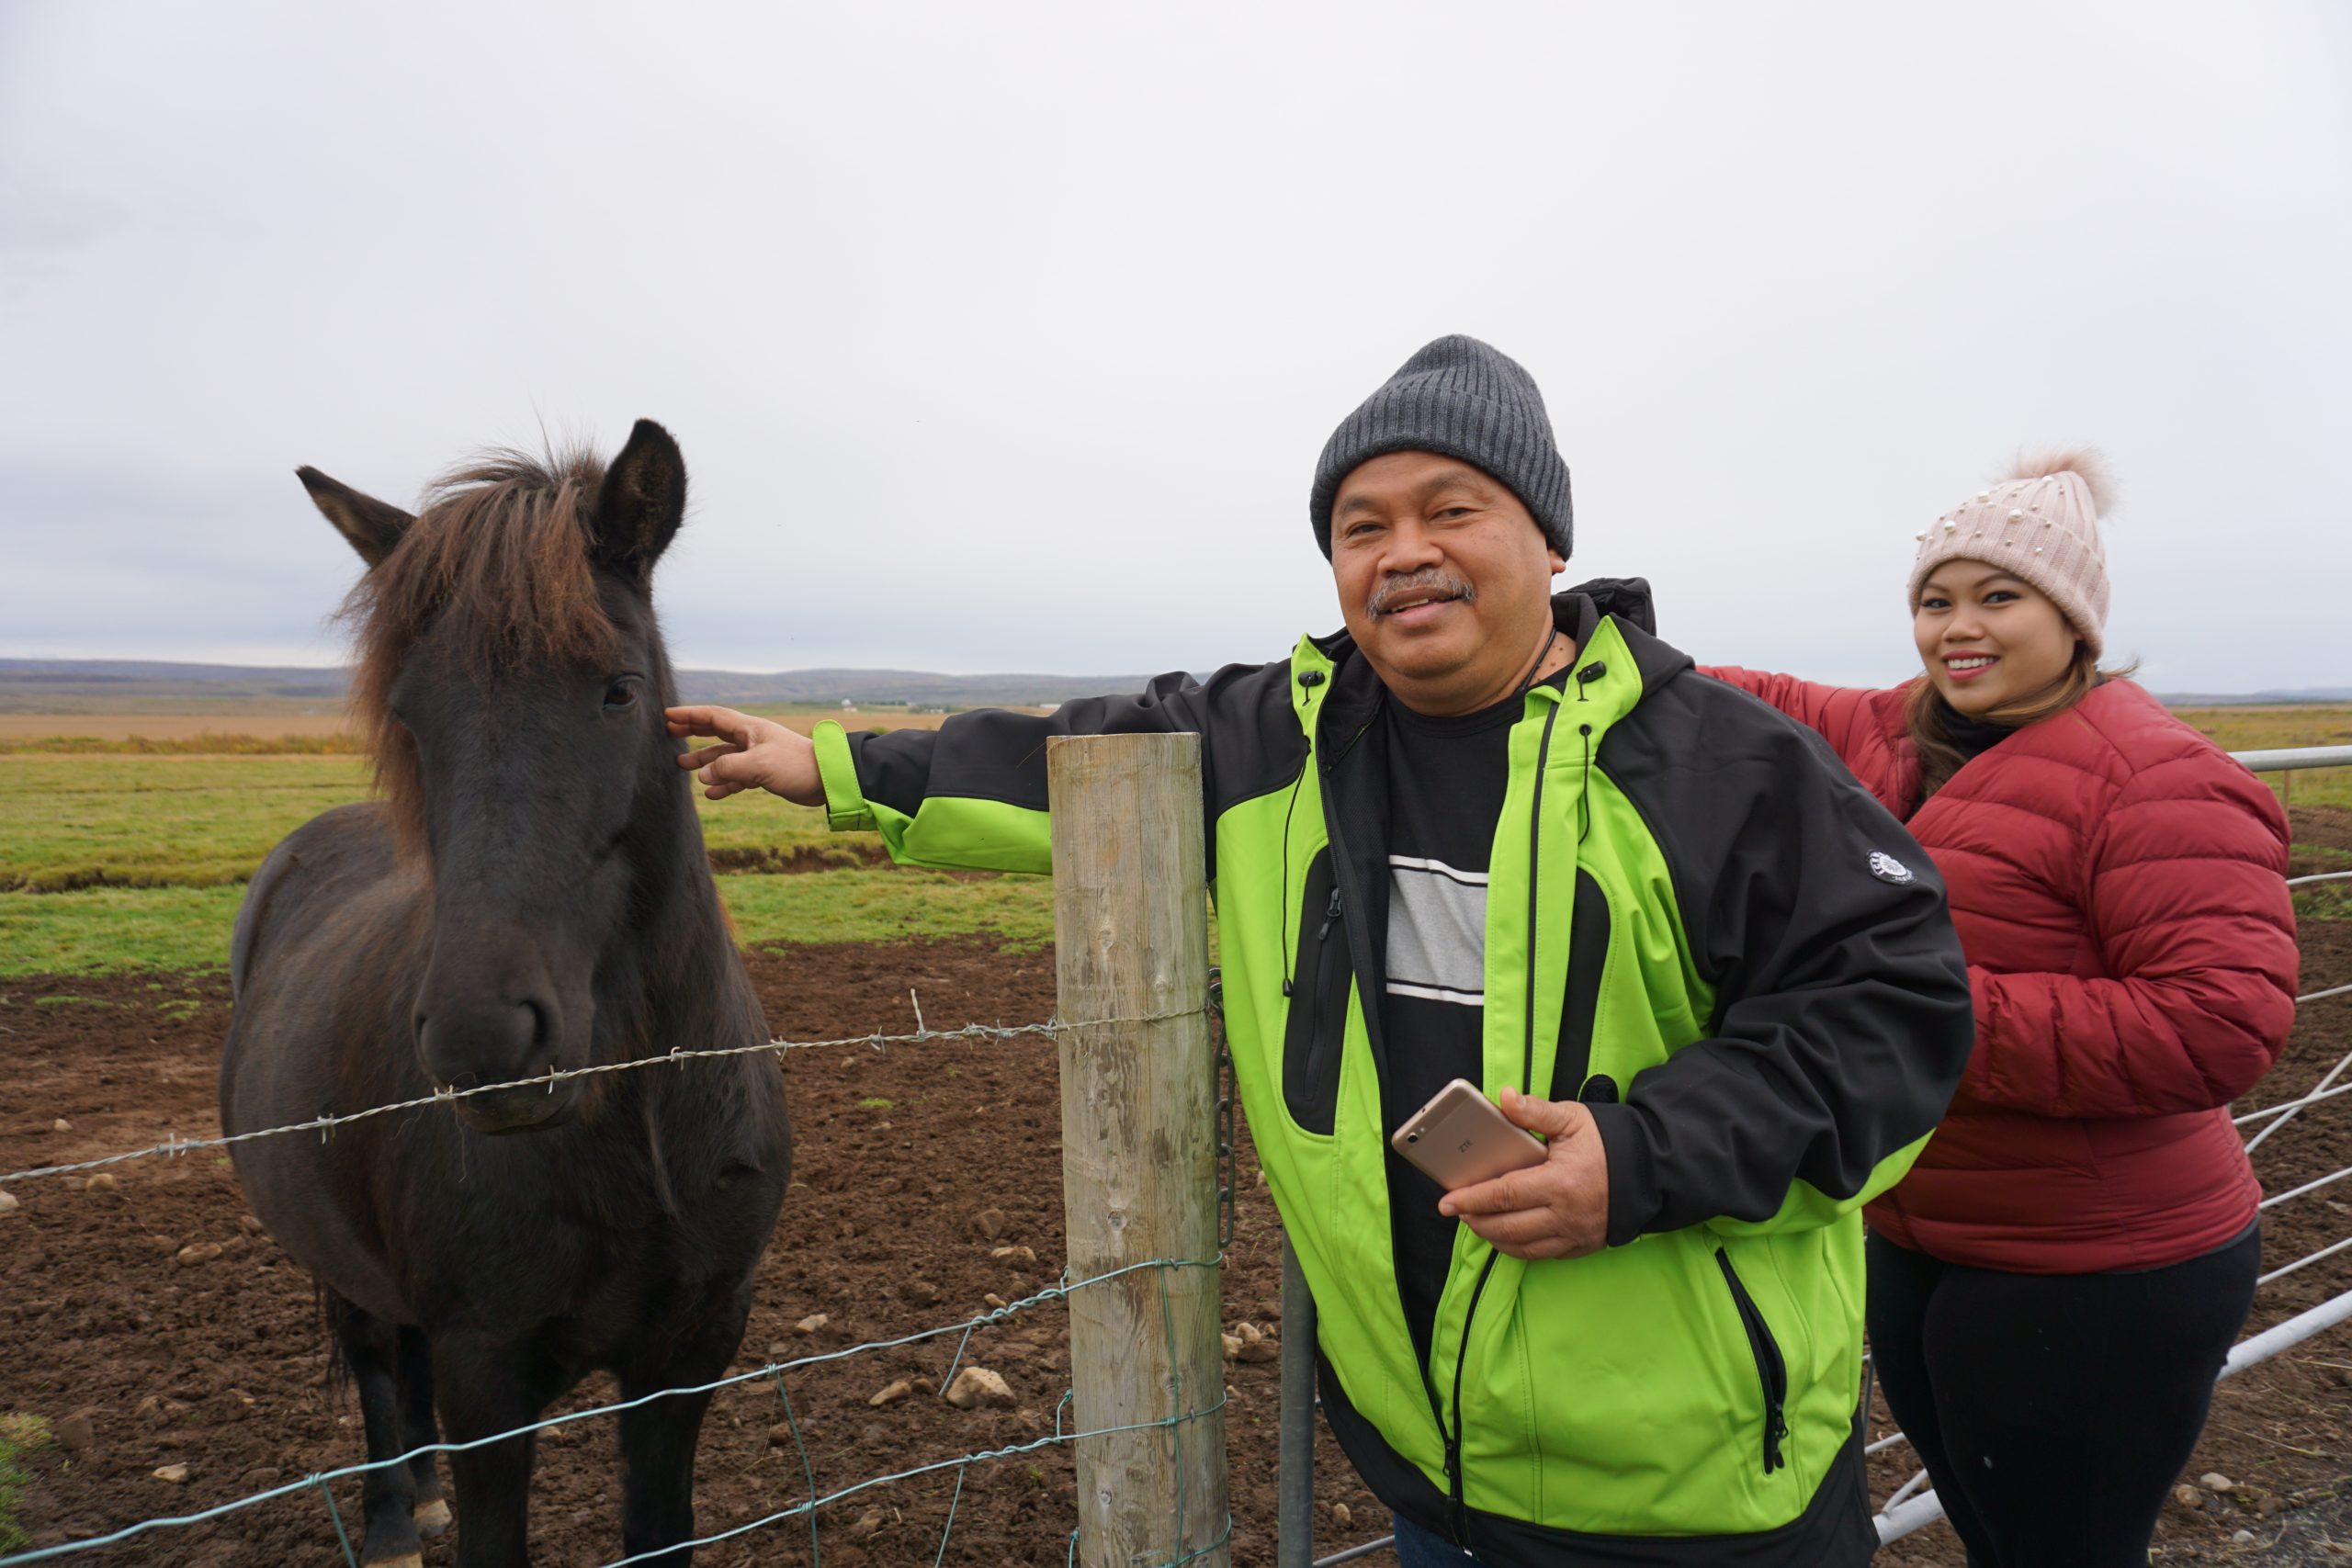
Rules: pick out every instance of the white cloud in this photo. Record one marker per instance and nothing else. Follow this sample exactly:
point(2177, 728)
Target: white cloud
point(1005, 337)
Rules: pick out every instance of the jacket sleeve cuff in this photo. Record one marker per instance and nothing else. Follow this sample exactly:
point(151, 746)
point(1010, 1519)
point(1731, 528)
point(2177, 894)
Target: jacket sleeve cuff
point(846, 808)
point(1633, 1170)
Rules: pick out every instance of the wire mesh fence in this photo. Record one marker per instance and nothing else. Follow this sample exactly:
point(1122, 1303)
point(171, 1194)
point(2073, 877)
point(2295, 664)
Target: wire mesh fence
point(1906, 1509)
point(1065, 1433)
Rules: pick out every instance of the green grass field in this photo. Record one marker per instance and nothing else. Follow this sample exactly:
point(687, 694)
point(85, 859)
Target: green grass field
point(117, 820)
point(123, 861)
point(118, 861)
point(19, 1436)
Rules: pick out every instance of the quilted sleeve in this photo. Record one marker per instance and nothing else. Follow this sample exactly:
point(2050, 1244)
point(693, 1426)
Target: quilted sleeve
point(1840, 715)
point(2187, 902)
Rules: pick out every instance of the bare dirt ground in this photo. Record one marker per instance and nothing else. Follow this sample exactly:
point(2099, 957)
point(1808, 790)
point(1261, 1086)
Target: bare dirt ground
point(220, 1365)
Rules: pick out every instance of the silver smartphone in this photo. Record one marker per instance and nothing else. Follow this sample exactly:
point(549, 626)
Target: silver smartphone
point(1461, 1138)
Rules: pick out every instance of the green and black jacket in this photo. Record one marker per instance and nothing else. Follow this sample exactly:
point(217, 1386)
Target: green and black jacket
point(1698, 924)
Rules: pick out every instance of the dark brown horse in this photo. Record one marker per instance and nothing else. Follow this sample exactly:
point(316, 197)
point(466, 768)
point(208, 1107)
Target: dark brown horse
point(530, 894)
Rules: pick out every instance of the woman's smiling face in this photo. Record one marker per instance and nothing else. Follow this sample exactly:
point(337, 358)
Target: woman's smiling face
point(1988, 639)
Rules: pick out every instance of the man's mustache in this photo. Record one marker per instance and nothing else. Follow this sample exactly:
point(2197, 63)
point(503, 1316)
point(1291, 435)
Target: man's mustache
point(1396, 587)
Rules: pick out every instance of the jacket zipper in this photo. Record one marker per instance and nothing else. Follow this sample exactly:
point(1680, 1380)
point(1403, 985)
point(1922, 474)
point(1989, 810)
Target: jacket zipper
point(1771, 1371)
point(1342, 869)
point(1453, 1472)
point(1322, 966)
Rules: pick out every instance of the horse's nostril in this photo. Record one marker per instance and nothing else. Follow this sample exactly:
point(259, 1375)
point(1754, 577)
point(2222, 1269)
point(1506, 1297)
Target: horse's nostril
point(542, 1023)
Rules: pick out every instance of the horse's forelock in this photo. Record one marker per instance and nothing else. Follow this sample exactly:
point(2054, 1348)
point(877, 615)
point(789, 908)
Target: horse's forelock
point(500, 550)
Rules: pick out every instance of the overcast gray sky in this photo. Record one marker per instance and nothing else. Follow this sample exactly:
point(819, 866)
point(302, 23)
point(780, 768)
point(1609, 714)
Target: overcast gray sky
point(1005, 336)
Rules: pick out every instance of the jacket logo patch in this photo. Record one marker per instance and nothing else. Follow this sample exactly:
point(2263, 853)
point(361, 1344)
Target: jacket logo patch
point(1886, 868)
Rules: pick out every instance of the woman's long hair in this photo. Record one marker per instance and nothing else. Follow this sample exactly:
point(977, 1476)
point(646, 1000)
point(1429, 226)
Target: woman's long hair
point(1940, 757)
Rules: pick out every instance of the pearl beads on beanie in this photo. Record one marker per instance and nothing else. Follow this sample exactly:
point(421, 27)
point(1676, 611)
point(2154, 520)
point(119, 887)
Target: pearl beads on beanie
point(2041, 525)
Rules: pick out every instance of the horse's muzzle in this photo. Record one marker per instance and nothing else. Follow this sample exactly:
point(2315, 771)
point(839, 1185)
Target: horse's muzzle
point(533, 1108)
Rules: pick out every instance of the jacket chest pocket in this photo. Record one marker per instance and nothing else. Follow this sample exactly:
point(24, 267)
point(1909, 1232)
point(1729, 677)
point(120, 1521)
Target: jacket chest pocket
point(1315, 1032)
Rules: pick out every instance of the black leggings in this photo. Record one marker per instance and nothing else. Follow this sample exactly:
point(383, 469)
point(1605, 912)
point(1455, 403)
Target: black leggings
point(2053, 1411)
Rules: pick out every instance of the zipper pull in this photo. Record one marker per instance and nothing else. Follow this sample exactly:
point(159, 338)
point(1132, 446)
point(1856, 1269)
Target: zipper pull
point(1330, 917)
point(1455, 1486)
point(1776, 1428)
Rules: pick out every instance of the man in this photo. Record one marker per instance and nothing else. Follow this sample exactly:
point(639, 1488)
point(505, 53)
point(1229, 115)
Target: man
point(1490, 833)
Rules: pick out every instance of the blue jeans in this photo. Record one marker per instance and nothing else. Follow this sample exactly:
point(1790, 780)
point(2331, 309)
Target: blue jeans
point(1418, 1548)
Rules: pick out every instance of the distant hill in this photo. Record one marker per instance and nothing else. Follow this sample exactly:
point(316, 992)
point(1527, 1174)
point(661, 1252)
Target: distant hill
point(130, 686)
point(2252, 699)
point(125, 685)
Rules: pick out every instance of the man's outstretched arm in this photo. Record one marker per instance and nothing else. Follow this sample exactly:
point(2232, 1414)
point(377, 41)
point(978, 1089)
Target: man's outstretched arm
point(968, 796)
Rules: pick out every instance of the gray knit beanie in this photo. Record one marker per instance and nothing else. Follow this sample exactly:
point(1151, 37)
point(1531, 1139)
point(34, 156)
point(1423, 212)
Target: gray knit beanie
point(1459, 397)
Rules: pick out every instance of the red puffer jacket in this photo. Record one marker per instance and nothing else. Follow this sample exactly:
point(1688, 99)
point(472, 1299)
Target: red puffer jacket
point(2118, 885)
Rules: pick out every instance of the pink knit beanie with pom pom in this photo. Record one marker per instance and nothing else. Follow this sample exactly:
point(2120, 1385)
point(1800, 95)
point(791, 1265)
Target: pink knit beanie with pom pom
point(2040, 523)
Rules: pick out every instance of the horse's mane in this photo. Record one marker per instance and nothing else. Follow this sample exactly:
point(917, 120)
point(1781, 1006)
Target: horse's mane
point(500, 551)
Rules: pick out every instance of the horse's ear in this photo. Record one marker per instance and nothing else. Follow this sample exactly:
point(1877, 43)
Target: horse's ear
point(372, 526)
point(642, 502)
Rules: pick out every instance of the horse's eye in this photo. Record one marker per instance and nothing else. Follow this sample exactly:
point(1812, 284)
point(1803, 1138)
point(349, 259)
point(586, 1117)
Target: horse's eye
point(620, 694)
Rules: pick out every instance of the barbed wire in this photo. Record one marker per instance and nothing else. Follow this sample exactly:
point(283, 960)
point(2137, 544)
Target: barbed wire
point(774, 1370)
point(173, 1147)
point(2326, 1090)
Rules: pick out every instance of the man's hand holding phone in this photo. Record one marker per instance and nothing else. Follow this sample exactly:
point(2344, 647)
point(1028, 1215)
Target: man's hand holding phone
point(1557, 1208)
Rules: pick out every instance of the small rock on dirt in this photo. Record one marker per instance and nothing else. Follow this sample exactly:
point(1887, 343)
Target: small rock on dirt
point(174, 1473)
point(780, 1435)
point(102, 1182)
point(250, 1224)
point(198, 1252)
point(2214, 1481)
point(60, 1125)
point(74, 1434)
point(994, 1300)
point(779, 1349)
point(869, 1524)
point(891, 1392)
point(1260, 1351)
point(1026, 1254)
point(1343, 1515)
point(809, 1325)
point(7, 1203)
point(989, 1223)
point(2241, 1538)
point(977, 1388)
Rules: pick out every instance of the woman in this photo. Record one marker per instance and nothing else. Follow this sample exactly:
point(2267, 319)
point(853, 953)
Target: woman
point(2056, 1285)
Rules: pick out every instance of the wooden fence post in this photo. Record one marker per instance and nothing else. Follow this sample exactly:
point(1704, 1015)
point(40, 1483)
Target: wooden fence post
point(1138, 1147)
